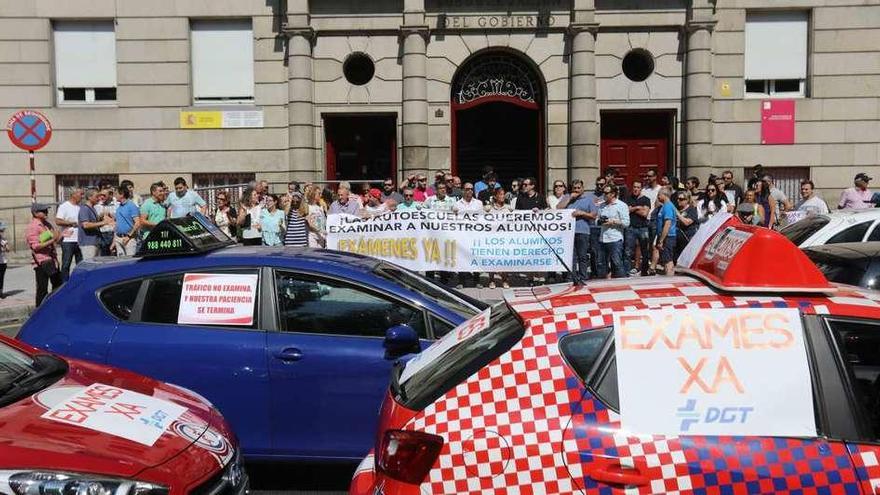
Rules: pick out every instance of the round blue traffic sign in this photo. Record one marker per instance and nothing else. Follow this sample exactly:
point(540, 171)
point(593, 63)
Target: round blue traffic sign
point(29, 130)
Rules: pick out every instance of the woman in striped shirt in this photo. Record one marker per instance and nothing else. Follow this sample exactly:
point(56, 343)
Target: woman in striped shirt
point(297, 230)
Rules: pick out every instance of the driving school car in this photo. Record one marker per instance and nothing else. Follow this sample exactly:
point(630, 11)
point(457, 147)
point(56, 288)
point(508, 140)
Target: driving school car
point(68, 427)
point(746, 373)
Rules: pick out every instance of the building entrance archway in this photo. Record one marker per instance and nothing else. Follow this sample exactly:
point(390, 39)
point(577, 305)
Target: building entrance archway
point(498, 118)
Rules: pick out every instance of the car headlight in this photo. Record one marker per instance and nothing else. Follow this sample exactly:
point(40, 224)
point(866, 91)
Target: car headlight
point(57, 483)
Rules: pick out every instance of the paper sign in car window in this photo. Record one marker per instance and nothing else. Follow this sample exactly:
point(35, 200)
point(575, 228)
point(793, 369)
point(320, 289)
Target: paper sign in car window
point(459, 334)
point(217, 299)
point(715, 372)
point(116, 411)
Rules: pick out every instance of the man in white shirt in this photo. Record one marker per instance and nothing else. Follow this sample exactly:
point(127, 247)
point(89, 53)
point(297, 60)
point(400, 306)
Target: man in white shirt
point(440, 201)
point(651, 187)
point(67, 218)
point(810, 204)
point(468, 203)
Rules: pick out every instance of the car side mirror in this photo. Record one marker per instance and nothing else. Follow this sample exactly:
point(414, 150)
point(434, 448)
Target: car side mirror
point(400, 340)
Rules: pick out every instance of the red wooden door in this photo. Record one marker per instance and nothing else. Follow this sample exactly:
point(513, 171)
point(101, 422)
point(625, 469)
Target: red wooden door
point(631, 158)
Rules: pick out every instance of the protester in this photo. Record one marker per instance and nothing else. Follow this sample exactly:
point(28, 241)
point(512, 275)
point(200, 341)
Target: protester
point(651, 187)
point(468, 204)
point(762, 198)
point(249, 214)
point(513, 192)
point(316, 221)
point(184, 201)
point(611, 180)
point(390, 191)
point(498, 205)
point(757, 213)
point(271, 222)
point(439, 178)
point(687, 220)
point(666, 230)
point(90, 224)
point(152, 211)
point(613, 220)
point(422, 190)
point(637, 232)
point(373, 205)
point(440, 201)
point(4, 248)
point(556, 194)
point(225, 216)
point(529, 198)
point(780, 201)
point(292, 187)
point(859, 196)
point(67, 217)
point(410, 182)
point(42, 239)
point(135, 197)
point(732, 191)
point(128, 218)
point(585, 213)
point(344, 203)
point(489, 180)
point(810, 204)
point(449, 180)
point(106, 208)
point(409, 203)
point(713, 201)
point(297, 233)
point(486, 194)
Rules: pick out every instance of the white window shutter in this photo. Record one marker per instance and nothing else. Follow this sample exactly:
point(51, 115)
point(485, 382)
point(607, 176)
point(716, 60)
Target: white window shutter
point(776, 45)
point(223, 59)
point(85, 54)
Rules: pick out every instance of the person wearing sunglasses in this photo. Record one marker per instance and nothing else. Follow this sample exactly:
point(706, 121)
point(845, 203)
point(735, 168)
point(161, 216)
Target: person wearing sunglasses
point(390, 191)
point(529, 198)
point(713, 201)
point(409, 202)
point(422, 191)
point(687, 220)
point(559, 191)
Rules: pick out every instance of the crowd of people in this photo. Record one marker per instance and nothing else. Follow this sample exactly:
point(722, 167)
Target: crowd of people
point(620, 229)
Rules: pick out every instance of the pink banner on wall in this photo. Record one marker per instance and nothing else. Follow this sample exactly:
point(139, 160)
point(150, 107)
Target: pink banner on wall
point(777, 122)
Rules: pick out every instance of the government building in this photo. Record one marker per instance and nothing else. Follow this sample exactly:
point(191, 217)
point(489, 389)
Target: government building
point(225, 91)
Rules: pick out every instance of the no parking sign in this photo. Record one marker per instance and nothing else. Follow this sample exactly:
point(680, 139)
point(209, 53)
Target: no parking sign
point(30, 131)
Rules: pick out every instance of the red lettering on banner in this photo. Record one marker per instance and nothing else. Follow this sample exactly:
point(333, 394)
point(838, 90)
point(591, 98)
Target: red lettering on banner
point(130, 411)
point(723, 374)
point(69, 416)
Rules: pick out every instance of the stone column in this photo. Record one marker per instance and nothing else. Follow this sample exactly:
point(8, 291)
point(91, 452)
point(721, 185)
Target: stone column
point(583, 114)
point(415, 99)
point(698, 95)
point(302, 151)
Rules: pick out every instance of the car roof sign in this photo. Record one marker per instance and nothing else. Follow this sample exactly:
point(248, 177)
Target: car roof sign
point(747, 258)
point(192, 234)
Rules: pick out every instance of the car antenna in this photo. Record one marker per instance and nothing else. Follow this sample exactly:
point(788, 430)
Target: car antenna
point(571, 274)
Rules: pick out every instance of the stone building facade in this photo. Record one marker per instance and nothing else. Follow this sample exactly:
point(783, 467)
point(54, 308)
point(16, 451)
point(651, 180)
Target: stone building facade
point(353, 89)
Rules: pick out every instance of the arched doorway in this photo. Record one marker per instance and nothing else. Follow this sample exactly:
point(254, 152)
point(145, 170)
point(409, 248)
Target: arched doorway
point(498, 118)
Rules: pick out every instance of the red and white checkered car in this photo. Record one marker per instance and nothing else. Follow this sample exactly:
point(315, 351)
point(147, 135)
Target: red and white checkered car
point(526, 398)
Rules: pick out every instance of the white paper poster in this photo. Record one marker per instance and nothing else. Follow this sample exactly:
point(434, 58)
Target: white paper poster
point(737, 371)
point(217, 299)
point(456, 336)
point(116, 411)
point(428, 240)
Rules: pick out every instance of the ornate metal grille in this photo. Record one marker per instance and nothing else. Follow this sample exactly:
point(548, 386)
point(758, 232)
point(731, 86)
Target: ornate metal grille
point(496, 75)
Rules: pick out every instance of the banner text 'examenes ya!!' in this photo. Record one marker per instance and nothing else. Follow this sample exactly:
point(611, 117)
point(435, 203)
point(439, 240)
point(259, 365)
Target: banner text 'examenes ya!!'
point(748, 331)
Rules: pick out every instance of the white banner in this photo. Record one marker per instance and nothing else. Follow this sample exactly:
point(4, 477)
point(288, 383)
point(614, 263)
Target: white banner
point(217, 299)
point(116, 411)
point(737, 371)
point(427, 240)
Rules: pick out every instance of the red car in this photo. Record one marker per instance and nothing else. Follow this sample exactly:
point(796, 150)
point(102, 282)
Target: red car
point(70, 427)
point(747, 372)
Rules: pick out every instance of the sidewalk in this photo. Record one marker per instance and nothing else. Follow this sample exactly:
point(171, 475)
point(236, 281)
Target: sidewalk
point(19, 289)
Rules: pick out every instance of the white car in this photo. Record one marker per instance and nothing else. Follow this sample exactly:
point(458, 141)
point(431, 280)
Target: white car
point(835, 227)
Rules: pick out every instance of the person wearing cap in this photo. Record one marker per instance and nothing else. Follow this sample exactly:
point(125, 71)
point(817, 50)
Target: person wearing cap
point(42, 238)
point(859, 196)
point(374, 205)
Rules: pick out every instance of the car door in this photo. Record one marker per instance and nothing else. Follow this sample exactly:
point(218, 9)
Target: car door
point(225, 364)
point(857, 343)
point(327, 363)
point(602, 456)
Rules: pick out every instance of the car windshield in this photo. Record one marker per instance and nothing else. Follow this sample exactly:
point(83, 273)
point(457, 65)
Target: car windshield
point(21, 375)
point(840, 270)
point(800, 231)
point(427, 289)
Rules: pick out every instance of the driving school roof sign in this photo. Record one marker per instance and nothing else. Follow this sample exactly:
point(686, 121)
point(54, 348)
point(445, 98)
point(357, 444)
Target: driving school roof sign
point(29, 130)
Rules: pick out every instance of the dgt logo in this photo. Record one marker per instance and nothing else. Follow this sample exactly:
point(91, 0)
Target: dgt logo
point(690, 415)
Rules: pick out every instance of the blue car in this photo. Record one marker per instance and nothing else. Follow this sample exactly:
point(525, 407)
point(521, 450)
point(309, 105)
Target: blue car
point(301, 378)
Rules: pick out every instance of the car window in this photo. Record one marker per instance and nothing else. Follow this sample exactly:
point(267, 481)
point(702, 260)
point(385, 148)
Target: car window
point(859, 344)
point(440, 327)
point(426, 288)
point(851, 234)
point(875, 234)
point(836, 269)
point(119, 299)
point(801, 230)
point(162, 301)
point(323, 306)
point(583, 351)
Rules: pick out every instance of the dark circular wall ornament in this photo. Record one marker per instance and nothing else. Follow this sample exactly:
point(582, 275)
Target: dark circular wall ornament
point(358, 68)
point(638, 65)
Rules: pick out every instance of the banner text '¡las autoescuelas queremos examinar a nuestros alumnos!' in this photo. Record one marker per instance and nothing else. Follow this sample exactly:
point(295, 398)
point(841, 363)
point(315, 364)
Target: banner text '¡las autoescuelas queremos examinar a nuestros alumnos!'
point(427, 240)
